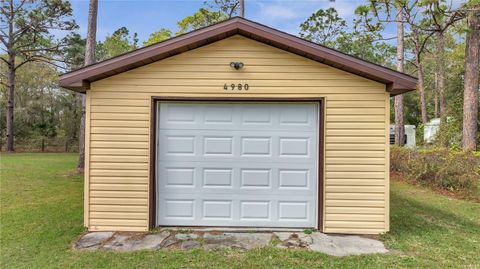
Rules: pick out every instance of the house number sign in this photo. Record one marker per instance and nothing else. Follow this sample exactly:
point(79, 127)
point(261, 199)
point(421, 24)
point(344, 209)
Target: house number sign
point(236, 87)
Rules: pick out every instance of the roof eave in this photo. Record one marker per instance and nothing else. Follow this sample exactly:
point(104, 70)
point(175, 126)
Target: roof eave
point(395, 92)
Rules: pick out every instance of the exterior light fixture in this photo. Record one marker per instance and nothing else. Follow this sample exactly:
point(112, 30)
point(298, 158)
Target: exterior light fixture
point(236, 65)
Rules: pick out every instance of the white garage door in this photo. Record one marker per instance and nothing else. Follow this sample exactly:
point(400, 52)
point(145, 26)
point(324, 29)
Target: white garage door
point(237, 164)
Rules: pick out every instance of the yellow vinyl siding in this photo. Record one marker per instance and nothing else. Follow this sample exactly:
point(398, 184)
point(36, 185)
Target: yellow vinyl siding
point(356, 130)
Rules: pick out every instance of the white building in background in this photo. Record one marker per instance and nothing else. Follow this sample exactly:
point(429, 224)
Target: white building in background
point(430, 130)
point(410, 140)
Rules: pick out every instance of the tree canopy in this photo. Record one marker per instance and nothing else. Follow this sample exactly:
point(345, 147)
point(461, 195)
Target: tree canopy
point(327, 28)
point(117, 43)
point(158, 36)
point(202, 18)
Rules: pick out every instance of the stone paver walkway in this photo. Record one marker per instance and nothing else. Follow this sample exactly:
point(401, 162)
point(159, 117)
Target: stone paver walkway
point(336, 245)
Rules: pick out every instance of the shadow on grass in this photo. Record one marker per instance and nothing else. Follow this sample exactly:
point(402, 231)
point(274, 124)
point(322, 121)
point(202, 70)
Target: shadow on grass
point(426, 232)
point(432, 230)
point(409, 216)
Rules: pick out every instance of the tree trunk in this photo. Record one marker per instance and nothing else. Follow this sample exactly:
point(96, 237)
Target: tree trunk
point(91, 33)
point(420, 74)
point(441, 73)
point(399, 115)
point(10, 82)
point(89, 59)
point(471, 86)
point(242, 8)
point(10, 101)
point(421, 89)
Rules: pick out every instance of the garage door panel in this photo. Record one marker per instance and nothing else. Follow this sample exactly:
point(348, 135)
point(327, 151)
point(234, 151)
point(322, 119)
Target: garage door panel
point(233, 116)
point(237, 146)
point(237, 164)
point(258, 177)
point(237, 210)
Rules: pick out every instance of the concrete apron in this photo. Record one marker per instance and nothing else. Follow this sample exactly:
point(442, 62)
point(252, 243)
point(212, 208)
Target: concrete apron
point(210, 239)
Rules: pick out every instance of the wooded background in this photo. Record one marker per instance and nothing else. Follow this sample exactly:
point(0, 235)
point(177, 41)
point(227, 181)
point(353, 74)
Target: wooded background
point(435, 41)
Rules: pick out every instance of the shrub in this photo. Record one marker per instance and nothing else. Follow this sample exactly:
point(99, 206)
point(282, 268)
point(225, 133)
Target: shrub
point(438, 168)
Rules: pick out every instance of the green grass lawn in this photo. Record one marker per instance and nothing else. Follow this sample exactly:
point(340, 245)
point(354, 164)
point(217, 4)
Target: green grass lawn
point(41, 215)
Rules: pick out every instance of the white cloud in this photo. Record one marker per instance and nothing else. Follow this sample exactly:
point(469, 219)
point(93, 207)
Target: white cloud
point(456, 3)
point(277, 12)
point(287, 15)
point(345, 9)
point(295, 9)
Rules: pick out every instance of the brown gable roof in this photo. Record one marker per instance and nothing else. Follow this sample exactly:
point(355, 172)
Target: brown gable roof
point(79, 79)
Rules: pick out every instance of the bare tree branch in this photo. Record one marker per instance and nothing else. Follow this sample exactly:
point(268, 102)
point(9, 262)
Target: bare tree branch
point(232, 10)
point(5, 60)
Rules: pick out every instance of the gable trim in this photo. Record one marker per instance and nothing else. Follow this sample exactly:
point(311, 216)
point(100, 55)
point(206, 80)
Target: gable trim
point(76, 80)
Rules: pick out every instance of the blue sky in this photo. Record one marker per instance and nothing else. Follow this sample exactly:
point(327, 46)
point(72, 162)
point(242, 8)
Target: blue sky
point(147, 16)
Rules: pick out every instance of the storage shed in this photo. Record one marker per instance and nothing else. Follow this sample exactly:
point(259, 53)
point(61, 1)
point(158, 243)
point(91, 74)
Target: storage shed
point(237, 125)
